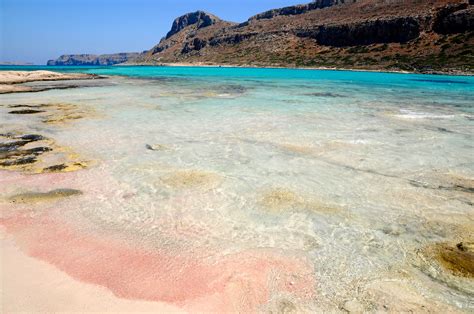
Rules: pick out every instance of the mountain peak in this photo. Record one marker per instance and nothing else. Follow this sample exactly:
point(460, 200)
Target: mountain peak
point(200, 18)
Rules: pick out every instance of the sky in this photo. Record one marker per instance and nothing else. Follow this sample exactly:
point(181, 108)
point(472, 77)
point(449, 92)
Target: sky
point(39, 30)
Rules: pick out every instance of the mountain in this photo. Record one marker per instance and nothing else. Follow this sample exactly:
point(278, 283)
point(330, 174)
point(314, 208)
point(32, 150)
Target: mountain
point(15, 63)
point(89, 59)
point(422, 35)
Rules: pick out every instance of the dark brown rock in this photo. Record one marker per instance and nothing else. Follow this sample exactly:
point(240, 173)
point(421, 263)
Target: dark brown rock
point(395, 30)
point(25, 111)
point(459, 259)
point(455, 19)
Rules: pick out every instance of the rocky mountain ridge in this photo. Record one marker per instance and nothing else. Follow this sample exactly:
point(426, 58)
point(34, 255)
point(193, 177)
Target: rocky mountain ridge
point(90, 59)
point(421, 36)
point(425, 36)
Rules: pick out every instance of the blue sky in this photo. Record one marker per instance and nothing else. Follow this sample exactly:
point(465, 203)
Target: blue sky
point(38, 30)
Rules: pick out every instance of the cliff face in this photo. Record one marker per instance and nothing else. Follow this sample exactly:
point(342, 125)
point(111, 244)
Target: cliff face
point(298, 9)
point(419, 35)
point(88, 59)
point(390, 30)
point(200, 19)
point(454, 19)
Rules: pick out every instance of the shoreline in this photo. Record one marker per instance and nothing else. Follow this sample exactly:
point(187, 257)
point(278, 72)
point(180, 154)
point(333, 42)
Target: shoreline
point(35, 285)
point(248, 66)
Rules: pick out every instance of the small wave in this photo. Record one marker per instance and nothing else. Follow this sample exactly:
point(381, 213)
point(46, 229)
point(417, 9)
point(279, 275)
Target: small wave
point(407, 114)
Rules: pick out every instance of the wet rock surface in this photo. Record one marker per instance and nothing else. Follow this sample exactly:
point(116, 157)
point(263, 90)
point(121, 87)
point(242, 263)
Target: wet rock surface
point(38, 81)
point(155, 147)
point(13, 154)
point(450, 263)
point(192, 179)
point(34, 153)
point(458, 259)
point(445, 182)
point(25, 111)
point(279, 200)
point(53, 113)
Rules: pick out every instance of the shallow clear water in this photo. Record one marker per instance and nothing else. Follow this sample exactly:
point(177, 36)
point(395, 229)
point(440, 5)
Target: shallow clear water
point(350, 172)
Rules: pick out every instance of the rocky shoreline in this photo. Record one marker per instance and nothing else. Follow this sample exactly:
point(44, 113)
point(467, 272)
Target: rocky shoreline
point(12, 81)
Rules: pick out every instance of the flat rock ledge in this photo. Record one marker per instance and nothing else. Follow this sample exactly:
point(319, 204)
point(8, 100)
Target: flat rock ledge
point(9, 80)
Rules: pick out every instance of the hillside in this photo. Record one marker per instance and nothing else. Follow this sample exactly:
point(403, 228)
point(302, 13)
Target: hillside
point(425, 36)
point(90, 59)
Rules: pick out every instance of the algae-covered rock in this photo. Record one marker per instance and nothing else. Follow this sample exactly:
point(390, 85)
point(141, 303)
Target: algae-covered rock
point(450, 263)
point(33, 197)
point(155, 147)
point(458, 259)
point(34, 153)
point(278, 200)
point(186, 179)
point(25, 111)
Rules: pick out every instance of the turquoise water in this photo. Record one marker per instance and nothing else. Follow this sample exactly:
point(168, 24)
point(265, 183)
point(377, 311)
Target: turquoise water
point(355, 172)
point(440, 81)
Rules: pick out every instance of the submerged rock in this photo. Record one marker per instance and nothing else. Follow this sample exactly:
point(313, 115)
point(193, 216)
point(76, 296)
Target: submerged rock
point(32, 137)
point(447, 182)
point(279, 200)
point(54, 113)
point(32, 197)
point(452, 264)
point(458, 259)
point(28, 106)
point(192, 179)
point(325, 94)
point(26, 111)
point(353, 306)
point(66, 167)
point(54, 168)
point(12, 153)
point(43, 155)
point(395, 295)
point(155, 147)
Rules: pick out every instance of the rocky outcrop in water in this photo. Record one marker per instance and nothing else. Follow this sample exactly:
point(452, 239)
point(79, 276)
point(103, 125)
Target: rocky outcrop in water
point(90, 59)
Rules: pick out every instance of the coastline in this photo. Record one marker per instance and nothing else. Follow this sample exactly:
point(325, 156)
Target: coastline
point(249, 66)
